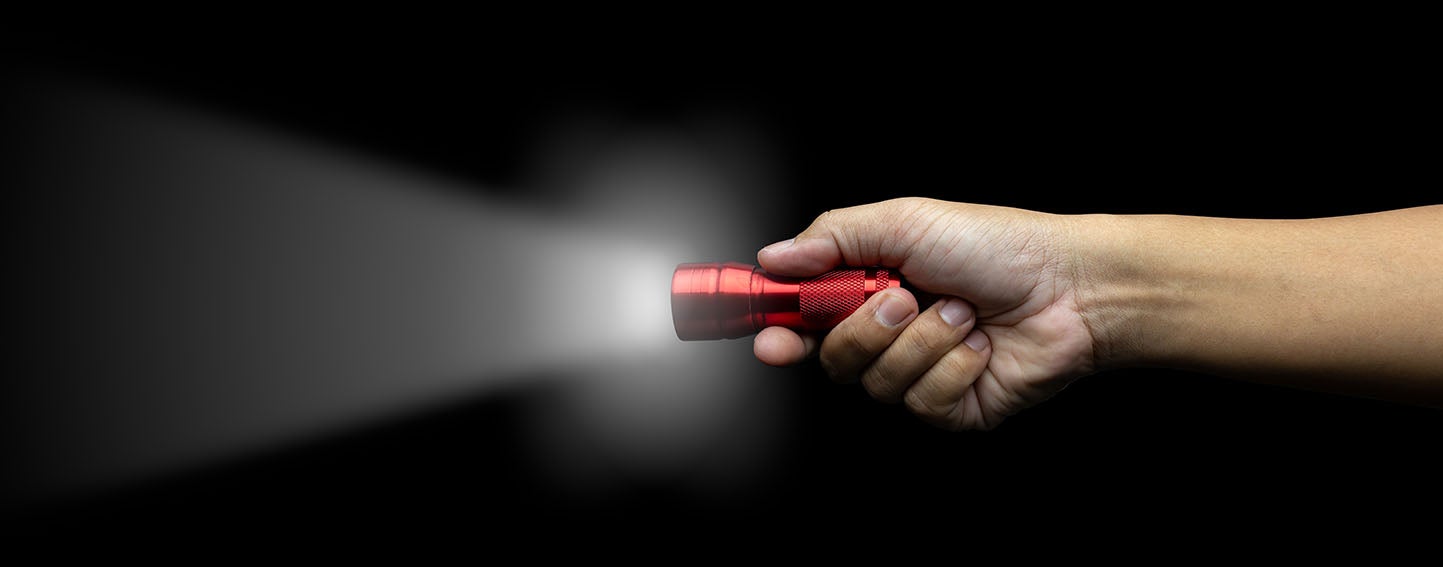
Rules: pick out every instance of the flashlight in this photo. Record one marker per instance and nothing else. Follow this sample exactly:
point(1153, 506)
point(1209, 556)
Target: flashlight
point(731, 300)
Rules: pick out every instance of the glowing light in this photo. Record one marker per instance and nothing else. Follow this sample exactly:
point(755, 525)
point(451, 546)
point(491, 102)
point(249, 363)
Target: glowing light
point(225, 289)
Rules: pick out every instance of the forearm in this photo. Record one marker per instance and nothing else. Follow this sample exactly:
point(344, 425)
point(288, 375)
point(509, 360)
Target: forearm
point(1349, 304)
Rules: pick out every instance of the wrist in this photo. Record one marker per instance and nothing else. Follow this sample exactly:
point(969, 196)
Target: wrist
point(1329, 304)
point(1117, 279)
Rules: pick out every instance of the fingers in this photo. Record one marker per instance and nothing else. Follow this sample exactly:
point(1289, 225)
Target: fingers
point(938, 396)
point(929, 361)
point(930, 337)
point(852, 345)
point(868, 235)
point(779, 346)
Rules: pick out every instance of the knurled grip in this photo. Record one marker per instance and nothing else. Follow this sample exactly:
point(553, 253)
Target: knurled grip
point(716, 300)
point(829, 298)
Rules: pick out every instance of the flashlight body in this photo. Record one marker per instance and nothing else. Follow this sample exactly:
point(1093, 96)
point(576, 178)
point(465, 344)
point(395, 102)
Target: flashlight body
point(732, 300)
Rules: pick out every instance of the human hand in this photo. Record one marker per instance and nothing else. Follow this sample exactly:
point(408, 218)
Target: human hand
point(1006, 334)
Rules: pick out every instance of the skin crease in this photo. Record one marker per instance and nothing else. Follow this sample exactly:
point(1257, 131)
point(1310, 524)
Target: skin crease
point(1039, 300)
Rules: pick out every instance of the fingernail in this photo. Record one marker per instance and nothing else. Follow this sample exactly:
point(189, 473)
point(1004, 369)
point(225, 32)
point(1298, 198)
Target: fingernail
point(977, 340)
point(956, 312)
point(779, 246)
point(893, 310)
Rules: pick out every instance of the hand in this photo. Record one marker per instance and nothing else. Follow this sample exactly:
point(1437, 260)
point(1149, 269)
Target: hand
point(1007, 333)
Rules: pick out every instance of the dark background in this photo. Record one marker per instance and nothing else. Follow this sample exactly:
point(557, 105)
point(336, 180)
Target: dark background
point(1255, 121)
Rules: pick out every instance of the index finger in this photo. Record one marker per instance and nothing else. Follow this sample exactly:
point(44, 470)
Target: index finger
point(853, 344)
point(879, 234)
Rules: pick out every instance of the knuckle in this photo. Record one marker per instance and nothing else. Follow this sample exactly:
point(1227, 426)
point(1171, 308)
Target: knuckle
point(919, 405)
point(853, 340)
point(880, 386)
point(852, 346)
point(955, 365)
point(829, 365)
point(907, 203)
point(910, 207)
point(825, 219)
point(841, 355)
point(925, 340)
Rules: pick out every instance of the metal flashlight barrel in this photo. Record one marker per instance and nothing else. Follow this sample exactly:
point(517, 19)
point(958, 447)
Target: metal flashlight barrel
point(715, 300)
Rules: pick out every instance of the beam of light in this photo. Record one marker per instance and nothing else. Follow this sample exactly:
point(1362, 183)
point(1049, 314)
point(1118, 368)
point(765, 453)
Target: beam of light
point(199, 289)
point(693, 414)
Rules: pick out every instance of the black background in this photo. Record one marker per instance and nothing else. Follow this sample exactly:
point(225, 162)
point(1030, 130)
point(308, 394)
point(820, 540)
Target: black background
point(1277, 120)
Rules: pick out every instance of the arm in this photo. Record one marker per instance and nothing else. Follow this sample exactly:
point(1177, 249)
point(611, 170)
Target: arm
point(1032, 301)
point(1351, 305)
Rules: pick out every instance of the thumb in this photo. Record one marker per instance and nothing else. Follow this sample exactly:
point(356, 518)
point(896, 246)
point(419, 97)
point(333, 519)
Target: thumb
point(879, 234)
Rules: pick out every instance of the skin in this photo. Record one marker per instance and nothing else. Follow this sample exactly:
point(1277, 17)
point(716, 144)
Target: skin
point(1032, 301)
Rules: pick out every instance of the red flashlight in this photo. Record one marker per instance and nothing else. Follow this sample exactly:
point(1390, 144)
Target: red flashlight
point(731, 300)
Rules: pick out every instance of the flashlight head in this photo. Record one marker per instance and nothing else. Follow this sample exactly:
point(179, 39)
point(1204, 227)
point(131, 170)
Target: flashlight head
point(730, 300)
